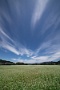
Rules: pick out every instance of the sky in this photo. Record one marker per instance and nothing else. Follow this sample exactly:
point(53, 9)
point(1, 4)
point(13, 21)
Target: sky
point(30, 30)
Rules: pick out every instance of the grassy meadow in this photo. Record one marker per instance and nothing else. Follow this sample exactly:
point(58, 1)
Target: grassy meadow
point(30, 77)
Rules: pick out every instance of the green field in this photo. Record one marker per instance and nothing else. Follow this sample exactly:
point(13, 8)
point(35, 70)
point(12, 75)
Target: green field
point(30, 77)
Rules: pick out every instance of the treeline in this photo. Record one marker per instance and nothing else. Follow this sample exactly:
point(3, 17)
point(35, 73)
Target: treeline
point(5, 62)
point(49, 63)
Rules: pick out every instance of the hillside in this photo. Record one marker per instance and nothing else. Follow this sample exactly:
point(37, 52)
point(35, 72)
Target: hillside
point(5, 62)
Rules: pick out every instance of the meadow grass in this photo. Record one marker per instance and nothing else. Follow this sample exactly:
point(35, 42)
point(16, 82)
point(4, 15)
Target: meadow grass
point(30, 77)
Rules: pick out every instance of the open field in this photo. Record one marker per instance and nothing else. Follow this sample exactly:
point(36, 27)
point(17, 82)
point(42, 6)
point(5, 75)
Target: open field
point(30, 77)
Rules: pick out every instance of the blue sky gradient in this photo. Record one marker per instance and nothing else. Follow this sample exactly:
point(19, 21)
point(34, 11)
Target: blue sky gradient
point(30, 30)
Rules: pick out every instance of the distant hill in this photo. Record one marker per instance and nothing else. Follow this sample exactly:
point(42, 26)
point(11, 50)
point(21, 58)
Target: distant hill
point(5, 62)
point(51, 63)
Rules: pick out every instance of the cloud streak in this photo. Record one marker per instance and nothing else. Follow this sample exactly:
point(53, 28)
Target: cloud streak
point(39, 59)
point(21, 50)
point(5, 42)
point(17, 21)
point(38, 11)
point(52, 19)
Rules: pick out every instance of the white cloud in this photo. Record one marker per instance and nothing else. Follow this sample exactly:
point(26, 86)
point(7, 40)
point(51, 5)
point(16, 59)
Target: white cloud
point(39, 8)
point(47, 58)
point(10, 48)
point(26, 51)
point(5, 42)
point(24, 60)
point(43, 46)
point(39, 59)
point(53, 19)
point(21, 50)
point(3, 35)
point(55, 56)
point(32, 60)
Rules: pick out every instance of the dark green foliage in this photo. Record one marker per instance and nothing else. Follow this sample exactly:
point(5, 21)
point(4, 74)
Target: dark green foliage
point(4, 62)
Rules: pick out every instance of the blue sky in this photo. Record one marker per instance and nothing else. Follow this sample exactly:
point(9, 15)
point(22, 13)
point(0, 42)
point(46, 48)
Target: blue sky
point(30, 30)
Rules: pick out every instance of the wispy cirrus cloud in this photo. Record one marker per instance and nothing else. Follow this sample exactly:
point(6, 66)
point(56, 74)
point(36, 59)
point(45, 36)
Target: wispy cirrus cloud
point(15, 30)
point(52, 19)
point(10, 48)
point(52, 51)
point(55, 56)
point(47, 58)
point(39, 59)
point(4, 43)
point(25, 51)
point(48, 48)
point(38, 11)
point(3, 35)
point(43, 46)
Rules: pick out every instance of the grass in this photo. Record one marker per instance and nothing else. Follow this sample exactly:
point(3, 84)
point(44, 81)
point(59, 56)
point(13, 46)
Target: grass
point(30, 77)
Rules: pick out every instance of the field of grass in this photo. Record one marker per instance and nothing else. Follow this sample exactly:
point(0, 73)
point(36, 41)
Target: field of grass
point(30, 77)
